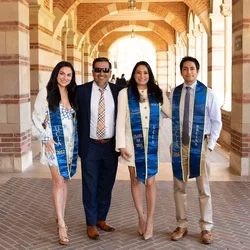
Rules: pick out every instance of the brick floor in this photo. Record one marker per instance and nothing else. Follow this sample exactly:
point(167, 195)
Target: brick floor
point(27, 217)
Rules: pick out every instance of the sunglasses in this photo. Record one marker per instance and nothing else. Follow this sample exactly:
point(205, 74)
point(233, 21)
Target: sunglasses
point(99, 70)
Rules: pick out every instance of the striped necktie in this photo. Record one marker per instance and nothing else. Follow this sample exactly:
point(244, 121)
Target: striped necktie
point(101, 130)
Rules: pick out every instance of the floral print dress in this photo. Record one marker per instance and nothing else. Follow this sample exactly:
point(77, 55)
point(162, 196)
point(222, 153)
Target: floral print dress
point(41, 128)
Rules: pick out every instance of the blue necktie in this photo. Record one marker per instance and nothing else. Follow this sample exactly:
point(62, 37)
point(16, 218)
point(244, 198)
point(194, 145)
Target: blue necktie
point(185, 124)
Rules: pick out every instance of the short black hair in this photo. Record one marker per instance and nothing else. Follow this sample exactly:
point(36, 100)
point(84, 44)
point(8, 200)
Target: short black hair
point(101, 59)
point(190, 59)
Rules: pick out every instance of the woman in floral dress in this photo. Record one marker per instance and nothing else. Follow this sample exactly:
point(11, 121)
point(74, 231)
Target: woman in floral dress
point(54, 124)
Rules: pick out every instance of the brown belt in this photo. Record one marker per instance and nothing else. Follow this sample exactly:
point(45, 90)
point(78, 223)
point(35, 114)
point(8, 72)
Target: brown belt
point(103, 141)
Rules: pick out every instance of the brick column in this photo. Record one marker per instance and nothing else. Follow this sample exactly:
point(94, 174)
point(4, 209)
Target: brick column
point(240, 119)
point(73, 55)
point(43, 55)
point(15, 135)
point(216, 55)
point(87, 63)
point(226, 11)
point(162, 69)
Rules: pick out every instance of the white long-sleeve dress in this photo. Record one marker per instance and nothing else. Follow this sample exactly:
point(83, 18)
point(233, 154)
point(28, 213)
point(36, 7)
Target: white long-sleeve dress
point(40, 116)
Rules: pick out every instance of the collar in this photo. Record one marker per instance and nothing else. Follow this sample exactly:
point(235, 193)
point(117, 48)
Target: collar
point(96, 87)
point(191, 86)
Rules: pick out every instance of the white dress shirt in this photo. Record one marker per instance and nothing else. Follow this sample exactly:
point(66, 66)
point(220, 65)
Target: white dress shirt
point(213, 121)
point(109, 111)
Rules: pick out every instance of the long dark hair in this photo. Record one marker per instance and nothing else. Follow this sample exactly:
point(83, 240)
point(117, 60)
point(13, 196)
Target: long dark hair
point(53, 93)
point(153, 88)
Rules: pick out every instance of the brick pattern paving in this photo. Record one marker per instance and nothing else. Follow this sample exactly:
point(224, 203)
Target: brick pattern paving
point(27, 217)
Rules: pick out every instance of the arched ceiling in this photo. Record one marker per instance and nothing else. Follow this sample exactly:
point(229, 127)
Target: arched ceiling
point(159, 27)
point(103, 20)
point(156, 40)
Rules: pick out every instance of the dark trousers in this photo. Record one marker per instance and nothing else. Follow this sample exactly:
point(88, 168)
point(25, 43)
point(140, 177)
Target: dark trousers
point(98, 177)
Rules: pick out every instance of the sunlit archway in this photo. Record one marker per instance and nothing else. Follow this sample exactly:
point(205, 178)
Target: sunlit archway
point(126, 52)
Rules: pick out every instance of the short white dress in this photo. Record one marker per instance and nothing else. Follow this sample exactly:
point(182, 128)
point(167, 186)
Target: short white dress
point(123, 128)
point(43, 133)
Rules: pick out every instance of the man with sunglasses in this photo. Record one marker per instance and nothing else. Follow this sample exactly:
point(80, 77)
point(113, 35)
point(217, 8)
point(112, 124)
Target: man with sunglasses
point(97, 110)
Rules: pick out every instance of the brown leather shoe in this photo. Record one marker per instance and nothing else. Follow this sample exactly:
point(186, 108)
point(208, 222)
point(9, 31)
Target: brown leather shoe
point(92, 232)
point(178, 233)
point(206, 237)
point(104, 226)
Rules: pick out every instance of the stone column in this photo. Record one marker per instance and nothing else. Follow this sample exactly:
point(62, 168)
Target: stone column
point(64, 39)
point(197, 37)
point(203, 62)
point(171, 50)
point(178, 57)
point(216, 55)
point(191, 45)
point(169, 73)
point(240, 119)
point(161, 69)
point(226, 11)
point(15, 135)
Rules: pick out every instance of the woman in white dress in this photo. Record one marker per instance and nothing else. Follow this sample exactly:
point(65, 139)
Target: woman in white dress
point(54, 124)
point(137, 132)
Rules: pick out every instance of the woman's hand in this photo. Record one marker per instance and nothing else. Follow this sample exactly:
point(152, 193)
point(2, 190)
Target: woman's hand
point(49, 146)
point(125, 154)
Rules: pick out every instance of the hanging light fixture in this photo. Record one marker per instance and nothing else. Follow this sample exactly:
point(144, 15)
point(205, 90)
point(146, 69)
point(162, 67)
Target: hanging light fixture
point(131, 4)
point(132, 33)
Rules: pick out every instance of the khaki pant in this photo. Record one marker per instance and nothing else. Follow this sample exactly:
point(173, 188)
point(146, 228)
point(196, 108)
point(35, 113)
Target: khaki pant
point(205, 202)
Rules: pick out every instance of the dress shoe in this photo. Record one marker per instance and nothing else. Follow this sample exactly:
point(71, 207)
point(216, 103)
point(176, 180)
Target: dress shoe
point(206, 237)
point(178, 233)
point(104, 226)
point(92, 232)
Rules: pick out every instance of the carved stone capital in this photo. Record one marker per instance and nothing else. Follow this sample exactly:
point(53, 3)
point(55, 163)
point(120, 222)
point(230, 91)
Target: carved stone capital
point(190, 36)
point(201, 28)
point(226, 10)
point(196, 32)
point(65, 31)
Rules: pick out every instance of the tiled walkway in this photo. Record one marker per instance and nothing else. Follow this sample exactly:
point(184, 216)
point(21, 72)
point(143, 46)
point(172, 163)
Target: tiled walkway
point(27, 214)
point(27, 217)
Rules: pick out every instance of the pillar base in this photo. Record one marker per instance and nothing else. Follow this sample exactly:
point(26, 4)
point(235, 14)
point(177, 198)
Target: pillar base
point(239, 165)
point(15, 164)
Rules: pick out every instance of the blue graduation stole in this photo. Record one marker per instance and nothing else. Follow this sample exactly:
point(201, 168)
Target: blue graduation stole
point(146, 165)
point(66, 169)
point(197, 135)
